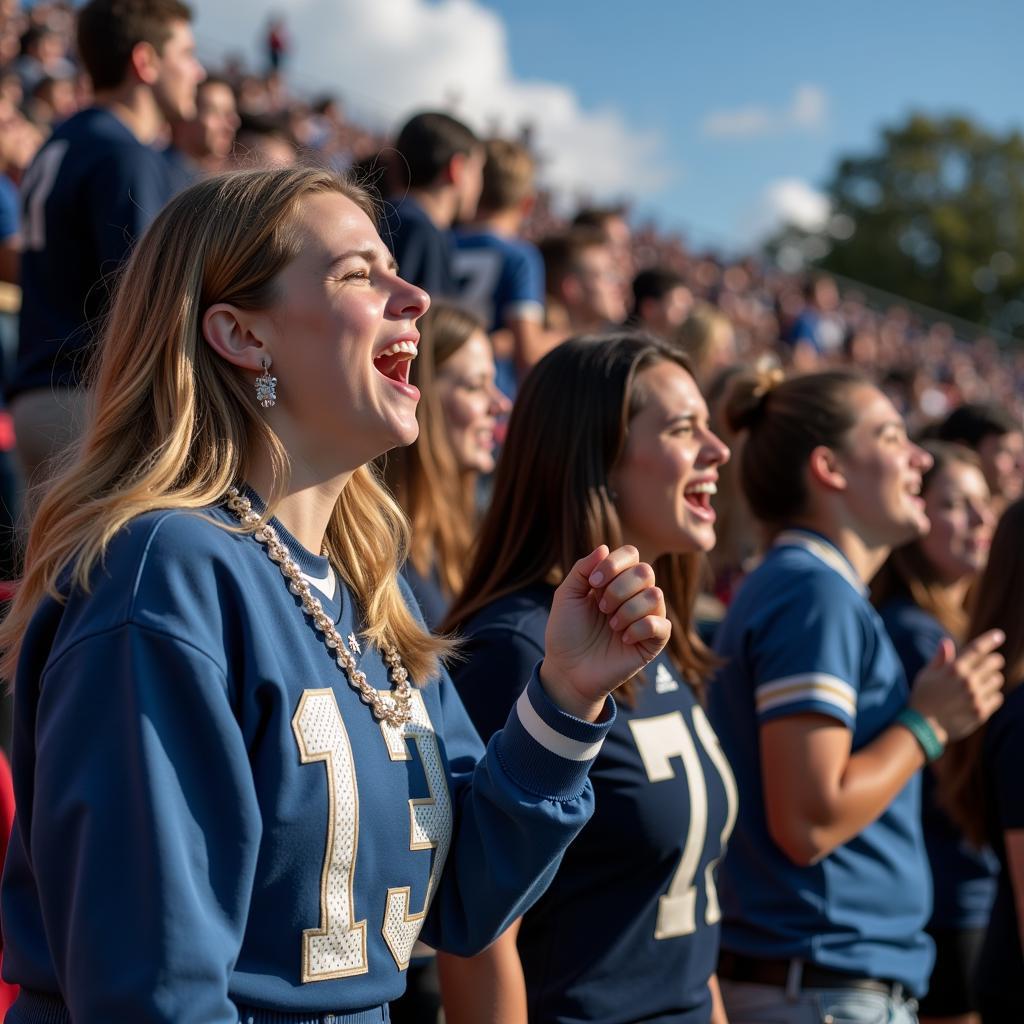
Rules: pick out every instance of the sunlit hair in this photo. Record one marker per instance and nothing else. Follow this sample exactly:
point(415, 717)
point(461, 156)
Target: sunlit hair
point(437, 496)
point(552, 501)
point(174, 425)
point(701, 336)
point(907, 572)
point(997, 605)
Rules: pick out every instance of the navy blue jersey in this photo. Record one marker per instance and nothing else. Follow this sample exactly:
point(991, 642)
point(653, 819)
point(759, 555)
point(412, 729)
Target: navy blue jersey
point(801, 636)
point(211, 825)
point(628, 929)
point(422, 249)
point(9, 217)
point(86, 197)
point(500, 279)
point(1001, 964)
point(963, 878)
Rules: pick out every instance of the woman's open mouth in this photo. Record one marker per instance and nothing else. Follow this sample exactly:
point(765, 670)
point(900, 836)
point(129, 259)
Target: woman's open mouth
point(698, 499)
point(394, 363)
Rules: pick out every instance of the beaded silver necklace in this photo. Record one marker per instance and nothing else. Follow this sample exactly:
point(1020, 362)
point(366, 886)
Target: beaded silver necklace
point(395, 710)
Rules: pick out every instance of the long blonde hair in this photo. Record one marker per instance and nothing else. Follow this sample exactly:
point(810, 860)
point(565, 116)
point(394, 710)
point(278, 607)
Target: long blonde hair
point(437, 496)
point(172, 423)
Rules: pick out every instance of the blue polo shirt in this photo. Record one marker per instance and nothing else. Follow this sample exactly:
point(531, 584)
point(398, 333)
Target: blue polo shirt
point(801, 637)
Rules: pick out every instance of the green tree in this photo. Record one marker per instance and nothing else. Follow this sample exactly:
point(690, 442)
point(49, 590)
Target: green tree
point(936, 214)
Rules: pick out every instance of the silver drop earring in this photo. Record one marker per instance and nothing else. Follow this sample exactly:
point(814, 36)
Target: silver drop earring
point(266, 386)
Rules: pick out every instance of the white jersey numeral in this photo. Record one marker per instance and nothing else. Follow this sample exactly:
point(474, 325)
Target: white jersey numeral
point(337, 948)
point(430, 826)
point(658, 740)
point(35, 190)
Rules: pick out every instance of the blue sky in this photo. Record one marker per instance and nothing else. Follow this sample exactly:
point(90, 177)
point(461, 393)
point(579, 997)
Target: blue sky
point(669, 66)
point(715, 118)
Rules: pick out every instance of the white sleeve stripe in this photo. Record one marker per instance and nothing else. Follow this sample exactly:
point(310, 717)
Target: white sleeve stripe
point(527, 309)
point(813, 686)
point(551, 739)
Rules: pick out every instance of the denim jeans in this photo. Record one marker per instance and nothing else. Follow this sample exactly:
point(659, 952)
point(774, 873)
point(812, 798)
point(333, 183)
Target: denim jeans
point(748, 1003)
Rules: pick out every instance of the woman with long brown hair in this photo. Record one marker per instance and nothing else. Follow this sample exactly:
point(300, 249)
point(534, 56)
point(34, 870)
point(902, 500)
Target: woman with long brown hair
point(435, 478)
point(220, 680)
point(920, 593)
point(609, 437)
point(981, 778)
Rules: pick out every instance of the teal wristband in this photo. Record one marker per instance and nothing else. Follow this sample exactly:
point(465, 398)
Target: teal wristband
point(917, 725)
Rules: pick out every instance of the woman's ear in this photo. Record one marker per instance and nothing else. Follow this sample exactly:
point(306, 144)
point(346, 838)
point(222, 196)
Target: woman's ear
point(236, 335)
point(825, 470)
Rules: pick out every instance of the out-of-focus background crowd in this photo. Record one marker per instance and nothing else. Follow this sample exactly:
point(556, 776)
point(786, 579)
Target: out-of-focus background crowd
point(927, 361)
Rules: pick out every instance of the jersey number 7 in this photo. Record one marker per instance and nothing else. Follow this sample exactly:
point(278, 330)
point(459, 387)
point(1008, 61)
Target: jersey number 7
point(659, 739)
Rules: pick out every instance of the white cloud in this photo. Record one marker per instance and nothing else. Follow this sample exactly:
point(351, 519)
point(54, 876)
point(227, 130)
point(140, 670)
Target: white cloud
point(807, 111)
point(788, 201)
point(389, 59)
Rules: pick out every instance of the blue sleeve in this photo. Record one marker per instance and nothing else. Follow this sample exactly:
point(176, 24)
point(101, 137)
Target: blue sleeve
point(149, 842)
point(522, 291)
point(516, 810)
point(806, 651)
point(497, 662)
point(8, 208)
point(1005, 757)
point(128, 191)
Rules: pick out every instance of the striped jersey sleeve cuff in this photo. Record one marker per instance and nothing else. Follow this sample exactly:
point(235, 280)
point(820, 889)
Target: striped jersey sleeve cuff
point(527, 309)
point(547, 751)
point(811, 691)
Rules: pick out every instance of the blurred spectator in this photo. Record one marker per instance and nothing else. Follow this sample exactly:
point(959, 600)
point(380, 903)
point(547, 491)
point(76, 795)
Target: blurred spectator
point(500, 276)
point(817, 329)
point(584, 285)
point(52, 100)
point(437, 175)
point(90, 191)
point(263, 141)
point(661, 301)
point(277, 43)
point(611, 222)
point(202, 145)
point(998, 438)
point(42, 56)
point(707, 337)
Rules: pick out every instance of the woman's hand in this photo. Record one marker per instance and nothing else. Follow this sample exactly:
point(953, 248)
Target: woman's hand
point(607, 622)
point(956, 693)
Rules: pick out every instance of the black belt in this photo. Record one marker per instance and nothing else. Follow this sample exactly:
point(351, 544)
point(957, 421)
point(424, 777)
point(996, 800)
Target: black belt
point(737, 967)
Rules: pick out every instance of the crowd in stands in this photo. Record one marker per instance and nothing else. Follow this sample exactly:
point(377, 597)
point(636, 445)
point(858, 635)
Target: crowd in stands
point(807, 802)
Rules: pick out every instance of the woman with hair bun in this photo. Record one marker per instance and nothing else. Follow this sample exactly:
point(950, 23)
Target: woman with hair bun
point(435, 478)
point(628, 929)
point(244, 781)
point(921, 593)
point(825, 890)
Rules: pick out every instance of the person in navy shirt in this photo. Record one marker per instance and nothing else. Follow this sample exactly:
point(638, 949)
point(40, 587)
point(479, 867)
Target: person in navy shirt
point(608, 436)
point(499, 274)
point(436, 175)
point(921, 593)
point(825, 890)
point(435, 479)
point(86, 197)
point(981, 777)
point(244, 783)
